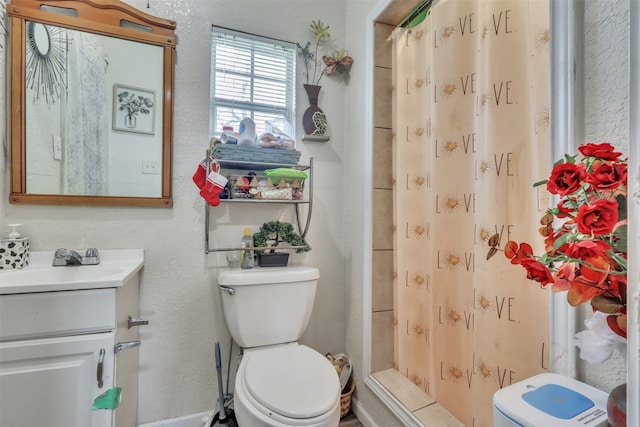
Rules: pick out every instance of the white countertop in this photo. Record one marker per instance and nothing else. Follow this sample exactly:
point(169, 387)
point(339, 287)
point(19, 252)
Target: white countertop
point(116, 267)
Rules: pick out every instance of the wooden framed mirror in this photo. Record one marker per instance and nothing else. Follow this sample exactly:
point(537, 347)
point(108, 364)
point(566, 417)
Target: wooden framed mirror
point(91, 103)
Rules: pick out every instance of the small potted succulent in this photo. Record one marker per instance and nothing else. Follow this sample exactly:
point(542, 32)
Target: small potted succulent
point(271, 234)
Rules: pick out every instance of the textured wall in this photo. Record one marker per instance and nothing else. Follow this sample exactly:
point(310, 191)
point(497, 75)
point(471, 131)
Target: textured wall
point(357, 255)
point(4, 150)
point(177, 365)
point(606, 115)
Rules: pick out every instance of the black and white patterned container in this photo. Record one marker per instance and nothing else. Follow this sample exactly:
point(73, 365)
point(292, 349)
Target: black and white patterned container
point(14, 253)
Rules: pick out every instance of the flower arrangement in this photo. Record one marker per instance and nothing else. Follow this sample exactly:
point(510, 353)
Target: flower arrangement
point(586, 254)
point(133, 104)
point(338, 63)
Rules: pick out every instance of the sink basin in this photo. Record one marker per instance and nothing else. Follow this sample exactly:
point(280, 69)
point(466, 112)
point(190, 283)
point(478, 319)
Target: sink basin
point(115, 268)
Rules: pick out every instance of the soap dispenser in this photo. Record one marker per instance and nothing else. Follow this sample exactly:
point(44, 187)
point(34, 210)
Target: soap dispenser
point(14, 249)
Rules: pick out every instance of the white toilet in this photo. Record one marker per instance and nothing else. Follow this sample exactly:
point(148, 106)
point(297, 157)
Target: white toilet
point(279, 382)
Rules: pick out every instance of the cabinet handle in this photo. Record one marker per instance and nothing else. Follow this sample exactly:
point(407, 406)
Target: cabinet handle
point(132, 321)
point(100, 367)
point(125, 345)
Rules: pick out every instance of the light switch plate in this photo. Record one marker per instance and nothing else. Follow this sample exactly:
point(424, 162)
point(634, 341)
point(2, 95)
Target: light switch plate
point(150, 166)
point(57, 148)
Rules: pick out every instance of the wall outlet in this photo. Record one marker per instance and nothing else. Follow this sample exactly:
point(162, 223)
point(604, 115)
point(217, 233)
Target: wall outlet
point(150, 166)
point(57, 148)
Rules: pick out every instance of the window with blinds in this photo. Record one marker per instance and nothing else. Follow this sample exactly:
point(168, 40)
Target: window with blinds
point(251, 76)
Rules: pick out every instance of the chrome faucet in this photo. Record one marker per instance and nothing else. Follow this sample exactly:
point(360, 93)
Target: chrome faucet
point(64, 257)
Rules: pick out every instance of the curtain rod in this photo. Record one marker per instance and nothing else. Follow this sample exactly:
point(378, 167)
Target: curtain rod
point(417, 15)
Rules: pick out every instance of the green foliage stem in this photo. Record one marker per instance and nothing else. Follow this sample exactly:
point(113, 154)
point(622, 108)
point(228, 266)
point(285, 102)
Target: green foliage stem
point(276, 232)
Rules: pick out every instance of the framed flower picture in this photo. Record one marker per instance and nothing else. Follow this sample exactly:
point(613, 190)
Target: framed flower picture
point(134, 109)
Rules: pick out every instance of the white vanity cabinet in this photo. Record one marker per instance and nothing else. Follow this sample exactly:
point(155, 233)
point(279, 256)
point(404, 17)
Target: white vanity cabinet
point(59, 351)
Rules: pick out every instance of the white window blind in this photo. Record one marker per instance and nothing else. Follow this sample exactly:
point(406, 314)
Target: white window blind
point(251, 76)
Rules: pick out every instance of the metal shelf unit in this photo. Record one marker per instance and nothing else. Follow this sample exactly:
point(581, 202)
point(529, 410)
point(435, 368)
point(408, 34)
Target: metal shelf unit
point(261, 166)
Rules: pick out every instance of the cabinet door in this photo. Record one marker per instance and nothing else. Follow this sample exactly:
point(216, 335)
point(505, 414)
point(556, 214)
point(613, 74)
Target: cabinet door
point(53, 382)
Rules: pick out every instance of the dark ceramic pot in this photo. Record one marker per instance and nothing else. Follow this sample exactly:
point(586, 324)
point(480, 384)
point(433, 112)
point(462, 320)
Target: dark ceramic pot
point(277, 259)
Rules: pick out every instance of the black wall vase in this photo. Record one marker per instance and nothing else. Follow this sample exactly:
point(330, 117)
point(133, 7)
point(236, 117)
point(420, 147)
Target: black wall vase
point(314, 120)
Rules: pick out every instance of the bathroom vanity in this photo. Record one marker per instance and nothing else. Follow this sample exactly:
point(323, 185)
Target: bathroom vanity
point(67, 335)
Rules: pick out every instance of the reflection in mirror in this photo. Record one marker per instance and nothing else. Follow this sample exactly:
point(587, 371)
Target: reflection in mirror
point(91, 103)
point(39, 38)
point(91, 157)
point(45, 61)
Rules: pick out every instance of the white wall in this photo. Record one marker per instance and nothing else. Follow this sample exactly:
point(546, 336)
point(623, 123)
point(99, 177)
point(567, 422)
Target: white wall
point(177, 366)
point(4, 137)
point(127, 150)
point(358, 191)
point(606, 117)
point(177, 370)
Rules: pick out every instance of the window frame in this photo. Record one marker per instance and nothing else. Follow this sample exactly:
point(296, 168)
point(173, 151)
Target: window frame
point(288, 111)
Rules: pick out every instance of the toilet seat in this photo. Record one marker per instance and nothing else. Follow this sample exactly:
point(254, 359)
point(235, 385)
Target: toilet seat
point(290, 382)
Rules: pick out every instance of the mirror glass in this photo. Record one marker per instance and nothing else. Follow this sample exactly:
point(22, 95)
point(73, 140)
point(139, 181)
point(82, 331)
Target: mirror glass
point(92, 116)
point(39, 39)
point(91, 88)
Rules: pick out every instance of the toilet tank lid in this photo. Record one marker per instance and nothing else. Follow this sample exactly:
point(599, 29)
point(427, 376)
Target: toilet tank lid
point(267, 275)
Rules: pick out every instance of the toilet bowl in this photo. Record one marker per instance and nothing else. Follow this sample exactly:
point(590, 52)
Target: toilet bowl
point(288, 385)
point(279, 382)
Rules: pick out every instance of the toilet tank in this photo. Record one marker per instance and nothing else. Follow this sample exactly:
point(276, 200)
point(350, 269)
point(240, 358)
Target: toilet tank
point(265, 306)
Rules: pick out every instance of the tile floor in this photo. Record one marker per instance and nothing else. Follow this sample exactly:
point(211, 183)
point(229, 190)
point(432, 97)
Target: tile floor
point(415, 400)
point(350, 420)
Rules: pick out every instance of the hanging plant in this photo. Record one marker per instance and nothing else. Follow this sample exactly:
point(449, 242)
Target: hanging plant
point(271, 234)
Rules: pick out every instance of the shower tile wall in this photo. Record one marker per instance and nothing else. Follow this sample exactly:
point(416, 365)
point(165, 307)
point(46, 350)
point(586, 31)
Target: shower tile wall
point(382, 269)
point(425, 410)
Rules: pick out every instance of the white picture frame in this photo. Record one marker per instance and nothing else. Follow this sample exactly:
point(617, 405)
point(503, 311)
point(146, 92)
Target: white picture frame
point(134, 109)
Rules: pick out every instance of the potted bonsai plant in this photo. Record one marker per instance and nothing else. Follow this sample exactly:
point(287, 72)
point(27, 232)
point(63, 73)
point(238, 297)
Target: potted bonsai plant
point(271, 234)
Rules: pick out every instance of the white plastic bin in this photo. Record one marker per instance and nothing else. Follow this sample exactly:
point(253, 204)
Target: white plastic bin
point(547, 400)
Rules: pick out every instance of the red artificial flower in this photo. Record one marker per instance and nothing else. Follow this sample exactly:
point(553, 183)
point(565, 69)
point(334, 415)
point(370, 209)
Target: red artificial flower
point(566, 178)
point(598, 218)
point(549, 242)
point(595, 270)
point(584, 249)
point(618, 324)
point(593, 279)
point(563, 211)
point(608, 176)
point(602, 151)
point(582, 292)
point(537, 271)
point(577, 259)
point(618, 287)
point(565, 276)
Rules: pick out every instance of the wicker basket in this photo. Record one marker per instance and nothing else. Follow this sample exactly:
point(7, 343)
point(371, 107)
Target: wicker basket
point(259, 187)
point(345, 398)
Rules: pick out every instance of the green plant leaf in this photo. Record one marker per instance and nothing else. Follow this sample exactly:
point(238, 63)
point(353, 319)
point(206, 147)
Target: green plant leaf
point(561, 241)
point(620, 244)
point(622, 207)
point(539, 183)
point(276, 232)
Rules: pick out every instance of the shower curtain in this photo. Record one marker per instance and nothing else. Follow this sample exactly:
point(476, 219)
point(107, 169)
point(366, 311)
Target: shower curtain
point(470, 138)
point(87, 119)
